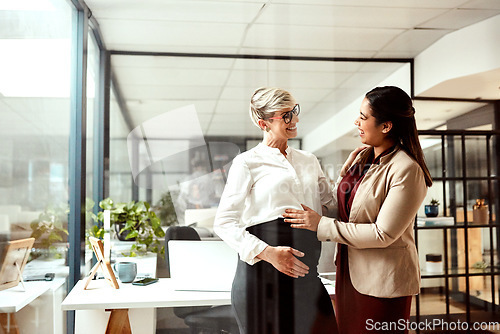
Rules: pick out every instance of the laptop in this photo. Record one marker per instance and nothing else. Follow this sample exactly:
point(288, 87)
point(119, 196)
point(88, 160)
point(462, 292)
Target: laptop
point(202, 265)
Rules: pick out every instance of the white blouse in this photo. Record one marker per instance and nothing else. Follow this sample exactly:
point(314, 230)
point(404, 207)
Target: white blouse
point(261, 184)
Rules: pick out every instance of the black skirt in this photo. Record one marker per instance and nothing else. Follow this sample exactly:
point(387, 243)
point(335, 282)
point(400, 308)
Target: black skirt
point(267, 301)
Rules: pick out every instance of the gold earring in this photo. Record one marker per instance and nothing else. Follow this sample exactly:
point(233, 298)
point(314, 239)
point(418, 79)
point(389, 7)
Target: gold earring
point(267, 129)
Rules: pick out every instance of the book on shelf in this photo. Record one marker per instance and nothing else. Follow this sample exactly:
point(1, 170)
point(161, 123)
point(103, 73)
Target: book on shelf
point(435, 221)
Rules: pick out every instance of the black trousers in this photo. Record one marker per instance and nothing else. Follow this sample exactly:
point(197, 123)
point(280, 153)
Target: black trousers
point(269, 302)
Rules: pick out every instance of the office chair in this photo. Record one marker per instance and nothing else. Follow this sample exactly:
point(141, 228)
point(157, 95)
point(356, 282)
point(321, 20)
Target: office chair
point(200, 319)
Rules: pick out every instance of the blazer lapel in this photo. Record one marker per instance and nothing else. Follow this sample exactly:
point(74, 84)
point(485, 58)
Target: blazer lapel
point(360, 198)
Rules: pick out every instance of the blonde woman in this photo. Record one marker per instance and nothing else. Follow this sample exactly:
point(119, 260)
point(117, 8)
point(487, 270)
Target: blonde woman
point(276, 288)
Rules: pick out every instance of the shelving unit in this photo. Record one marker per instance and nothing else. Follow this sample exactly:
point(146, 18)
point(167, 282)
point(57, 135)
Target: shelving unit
point(466, 166)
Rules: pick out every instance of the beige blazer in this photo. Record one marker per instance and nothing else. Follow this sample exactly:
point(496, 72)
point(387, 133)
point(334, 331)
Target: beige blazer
point(383, 260)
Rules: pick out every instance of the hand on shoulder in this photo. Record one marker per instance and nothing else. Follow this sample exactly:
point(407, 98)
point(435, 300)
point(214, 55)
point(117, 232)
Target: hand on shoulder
point(351, 158)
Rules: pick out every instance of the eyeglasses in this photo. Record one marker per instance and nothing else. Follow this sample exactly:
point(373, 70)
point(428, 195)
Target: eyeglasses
point(287, 116)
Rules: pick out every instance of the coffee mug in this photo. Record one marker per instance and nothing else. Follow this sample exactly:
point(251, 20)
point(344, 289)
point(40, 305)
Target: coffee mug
point(126, 271)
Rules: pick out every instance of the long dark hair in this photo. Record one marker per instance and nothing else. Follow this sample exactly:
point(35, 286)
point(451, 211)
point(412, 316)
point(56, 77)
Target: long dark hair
point(392, 104)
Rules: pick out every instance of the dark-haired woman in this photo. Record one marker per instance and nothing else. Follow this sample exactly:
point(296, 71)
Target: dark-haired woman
point(378, 195)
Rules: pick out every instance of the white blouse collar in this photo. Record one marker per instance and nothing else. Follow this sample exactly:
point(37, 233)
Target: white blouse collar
point(273, 149)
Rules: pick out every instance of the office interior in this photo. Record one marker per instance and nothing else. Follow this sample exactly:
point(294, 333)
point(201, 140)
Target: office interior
point(139, 100)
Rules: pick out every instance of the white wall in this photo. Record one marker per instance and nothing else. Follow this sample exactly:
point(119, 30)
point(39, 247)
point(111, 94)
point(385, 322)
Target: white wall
point(467, 51)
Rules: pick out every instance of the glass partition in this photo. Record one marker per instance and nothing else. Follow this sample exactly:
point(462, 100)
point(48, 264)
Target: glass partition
point(34, 132)
point(120, 176)
point(177, 123)
point(187, 117)
point(91, 138)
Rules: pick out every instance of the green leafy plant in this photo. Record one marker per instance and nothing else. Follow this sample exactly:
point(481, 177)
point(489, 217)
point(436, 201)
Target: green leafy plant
point(134, 221)
point(434, 202)
point(165, 210)
point(49, 227)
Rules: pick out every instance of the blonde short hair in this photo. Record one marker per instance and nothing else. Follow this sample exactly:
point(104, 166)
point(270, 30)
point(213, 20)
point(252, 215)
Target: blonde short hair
point(266, 101)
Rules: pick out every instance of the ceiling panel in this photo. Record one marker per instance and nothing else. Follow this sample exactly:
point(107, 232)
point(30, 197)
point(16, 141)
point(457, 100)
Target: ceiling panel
point(382, 3)
point(171, 77)
point(346, 16)
point(163, 35)
point(459, 18)
point(485, 4)
point(119, 61)
point(318, 38)
point(176, 11)
point(221, 88)
point(193, 93)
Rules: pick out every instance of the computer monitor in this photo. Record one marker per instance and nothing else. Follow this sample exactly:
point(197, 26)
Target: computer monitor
point(202, 265)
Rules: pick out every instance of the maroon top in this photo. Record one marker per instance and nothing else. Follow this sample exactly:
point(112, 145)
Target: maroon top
point(350, 183)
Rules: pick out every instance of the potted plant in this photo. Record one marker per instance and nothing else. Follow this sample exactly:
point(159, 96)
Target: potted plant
point(432, 209)
point(49, 229)
point(133, 221)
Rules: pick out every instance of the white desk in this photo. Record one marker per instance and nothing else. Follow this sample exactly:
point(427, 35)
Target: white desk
point(90, 304)
point(15, 299)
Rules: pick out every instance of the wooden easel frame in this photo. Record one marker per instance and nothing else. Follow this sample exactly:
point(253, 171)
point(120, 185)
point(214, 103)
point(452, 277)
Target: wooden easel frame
point(109, 275)
point(13, 262)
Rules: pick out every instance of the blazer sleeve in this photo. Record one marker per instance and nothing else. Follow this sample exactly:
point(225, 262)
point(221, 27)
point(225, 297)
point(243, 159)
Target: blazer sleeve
point(228, 224)
point(404, 197)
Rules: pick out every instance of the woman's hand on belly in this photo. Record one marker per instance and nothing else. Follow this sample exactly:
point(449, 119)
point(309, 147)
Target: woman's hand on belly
point(284, 259)
point(307, 219)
